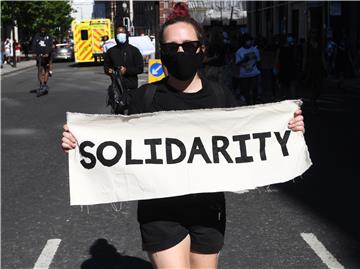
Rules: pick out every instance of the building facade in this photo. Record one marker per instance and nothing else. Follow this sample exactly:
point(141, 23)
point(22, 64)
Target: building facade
point(336, 19)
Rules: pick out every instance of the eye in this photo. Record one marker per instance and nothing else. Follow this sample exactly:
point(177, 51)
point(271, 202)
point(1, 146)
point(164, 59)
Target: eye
point(169, 47)
point(189, 47)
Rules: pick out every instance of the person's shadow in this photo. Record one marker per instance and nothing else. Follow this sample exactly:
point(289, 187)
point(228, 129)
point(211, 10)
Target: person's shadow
point(105, 256)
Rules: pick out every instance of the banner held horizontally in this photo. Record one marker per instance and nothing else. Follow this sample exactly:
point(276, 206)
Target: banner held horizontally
point(164, 154)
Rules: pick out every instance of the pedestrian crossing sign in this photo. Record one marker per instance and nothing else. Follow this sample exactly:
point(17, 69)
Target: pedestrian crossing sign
point(156, 71)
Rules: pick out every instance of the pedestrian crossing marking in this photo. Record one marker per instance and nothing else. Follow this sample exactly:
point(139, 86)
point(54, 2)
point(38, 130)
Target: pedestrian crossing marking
point(321, 251)
point(47, 254)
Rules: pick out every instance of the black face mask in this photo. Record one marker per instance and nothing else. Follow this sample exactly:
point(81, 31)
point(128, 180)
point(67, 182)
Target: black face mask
point(182, 65)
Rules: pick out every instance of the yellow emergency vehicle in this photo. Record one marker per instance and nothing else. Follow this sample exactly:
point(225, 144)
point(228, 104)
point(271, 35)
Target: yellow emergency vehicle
point(87, 35)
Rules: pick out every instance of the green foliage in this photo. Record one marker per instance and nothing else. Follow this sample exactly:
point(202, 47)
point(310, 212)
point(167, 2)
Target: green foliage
point(30, 15)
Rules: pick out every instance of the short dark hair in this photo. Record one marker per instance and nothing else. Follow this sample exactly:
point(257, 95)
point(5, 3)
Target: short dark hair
point(198, 29)
point(120, 25)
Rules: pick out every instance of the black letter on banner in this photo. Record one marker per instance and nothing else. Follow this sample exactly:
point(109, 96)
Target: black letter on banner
point(86, 154)
point(198, 148)
point(100, 153)
point(153, 143)
point(243, 158)
point(283, 141)
point(129, 159)
point(222, 149)
point(169, 156)
point(262, 137)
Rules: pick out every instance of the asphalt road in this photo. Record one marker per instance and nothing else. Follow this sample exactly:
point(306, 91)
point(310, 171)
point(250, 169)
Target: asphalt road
point(264, 226)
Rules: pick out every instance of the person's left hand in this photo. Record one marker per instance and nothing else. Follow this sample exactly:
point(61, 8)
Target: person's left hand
point(122, 70)
point(297, 123)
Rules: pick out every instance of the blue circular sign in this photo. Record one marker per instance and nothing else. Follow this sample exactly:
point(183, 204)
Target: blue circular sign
point(156, 70)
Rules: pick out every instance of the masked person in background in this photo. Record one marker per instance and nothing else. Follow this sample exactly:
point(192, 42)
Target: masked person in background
point(184, 231)
point(248, 57)
point(43, 46)
point(125, 59)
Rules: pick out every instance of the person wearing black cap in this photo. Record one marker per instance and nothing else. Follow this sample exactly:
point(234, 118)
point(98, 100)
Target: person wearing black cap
point(42, 47)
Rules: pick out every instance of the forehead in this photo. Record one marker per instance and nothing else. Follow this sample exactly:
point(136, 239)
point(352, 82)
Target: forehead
point(120, 30)
point(179, 32)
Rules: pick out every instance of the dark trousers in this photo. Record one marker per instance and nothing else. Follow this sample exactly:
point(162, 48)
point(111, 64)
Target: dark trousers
point(249, 90)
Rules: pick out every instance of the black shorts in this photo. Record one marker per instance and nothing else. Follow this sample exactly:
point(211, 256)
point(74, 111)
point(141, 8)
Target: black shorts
point(44, 62)
point(166, 222)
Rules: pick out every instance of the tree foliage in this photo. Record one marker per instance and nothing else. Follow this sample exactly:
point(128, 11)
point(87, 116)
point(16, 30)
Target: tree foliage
point(30, 15)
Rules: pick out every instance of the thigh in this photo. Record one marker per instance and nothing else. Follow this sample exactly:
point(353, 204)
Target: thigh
point(41, 69)
point(177, 256)
point(206, 221)
point(47, 62)
point(244, 85)
point(253, 83)
point(201, 261)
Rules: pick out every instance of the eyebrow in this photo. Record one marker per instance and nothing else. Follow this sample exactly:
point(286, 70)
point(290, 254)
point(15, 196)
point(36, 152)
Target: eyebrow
point(185, 41)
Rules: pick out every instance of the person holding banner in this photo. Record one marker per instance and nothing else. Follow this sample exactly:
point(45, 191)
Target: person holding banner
point(184, 231)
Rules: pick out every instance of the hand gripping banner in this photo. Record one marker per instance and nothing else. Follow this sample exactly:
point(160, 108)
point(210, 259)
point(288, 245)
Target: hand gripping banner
point(164, 154)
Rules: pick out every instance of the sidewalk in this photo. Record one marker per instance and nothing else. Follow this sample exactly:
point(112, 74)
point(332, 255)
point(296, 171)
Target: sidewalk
point(7, 68)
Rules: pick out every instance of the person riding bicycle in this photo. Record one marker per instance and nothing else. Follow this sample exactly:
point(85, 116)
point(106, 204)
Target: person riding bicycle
point(42, 47)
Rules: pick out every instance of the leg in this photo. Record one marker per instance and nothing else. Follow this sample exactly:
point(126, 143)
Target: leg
point(244, 89)
point(40, 74)
point(203, 261)
point(252, 84)
point(50, 67)
point(43, 73)
point(176, 257)
point(46, 74)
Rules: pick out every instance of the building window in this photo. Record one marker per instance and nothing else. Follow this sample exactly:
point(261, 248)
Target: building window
point(84, 35)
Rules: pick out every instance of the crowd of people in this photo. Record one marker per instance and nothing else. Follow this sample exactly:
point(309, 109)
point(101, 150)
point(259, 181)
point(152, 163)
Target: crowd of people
point(280, 67)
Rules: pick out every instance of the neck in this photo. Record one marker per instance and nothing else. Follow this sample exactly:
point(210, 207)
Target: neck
point(121, 44)
point(188, 86)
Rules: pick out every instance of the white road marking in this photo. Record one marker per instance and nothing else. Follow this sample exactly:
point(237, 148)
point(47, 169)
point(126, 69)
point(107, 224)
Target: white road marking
point(47, 254)
point(321, 251)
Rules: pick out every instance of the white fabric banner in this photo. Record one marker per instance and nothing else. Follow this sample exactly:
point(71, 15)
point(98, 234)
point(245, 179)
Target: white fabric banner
point(163, 154)
point(143, 43)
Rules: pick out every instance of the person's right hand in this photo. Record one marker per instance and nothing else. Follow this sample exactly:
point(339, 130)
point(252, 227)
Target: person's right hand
point(68, 140)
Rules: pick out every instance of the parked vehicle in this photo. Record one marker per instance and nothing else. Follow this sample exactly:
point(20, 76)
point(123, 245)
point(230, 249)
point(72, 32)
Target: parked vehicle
point(63, 51)
point(88, 36)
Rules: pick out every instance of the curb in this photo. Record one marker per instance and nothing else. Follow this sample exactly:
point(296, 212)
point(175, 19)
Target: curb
point(16, 69)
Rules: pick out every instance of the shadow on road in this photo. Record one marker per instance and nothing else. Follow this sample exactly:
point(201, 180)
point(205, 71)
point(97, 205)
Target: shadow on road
point(330, 188)
point(105, 256)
